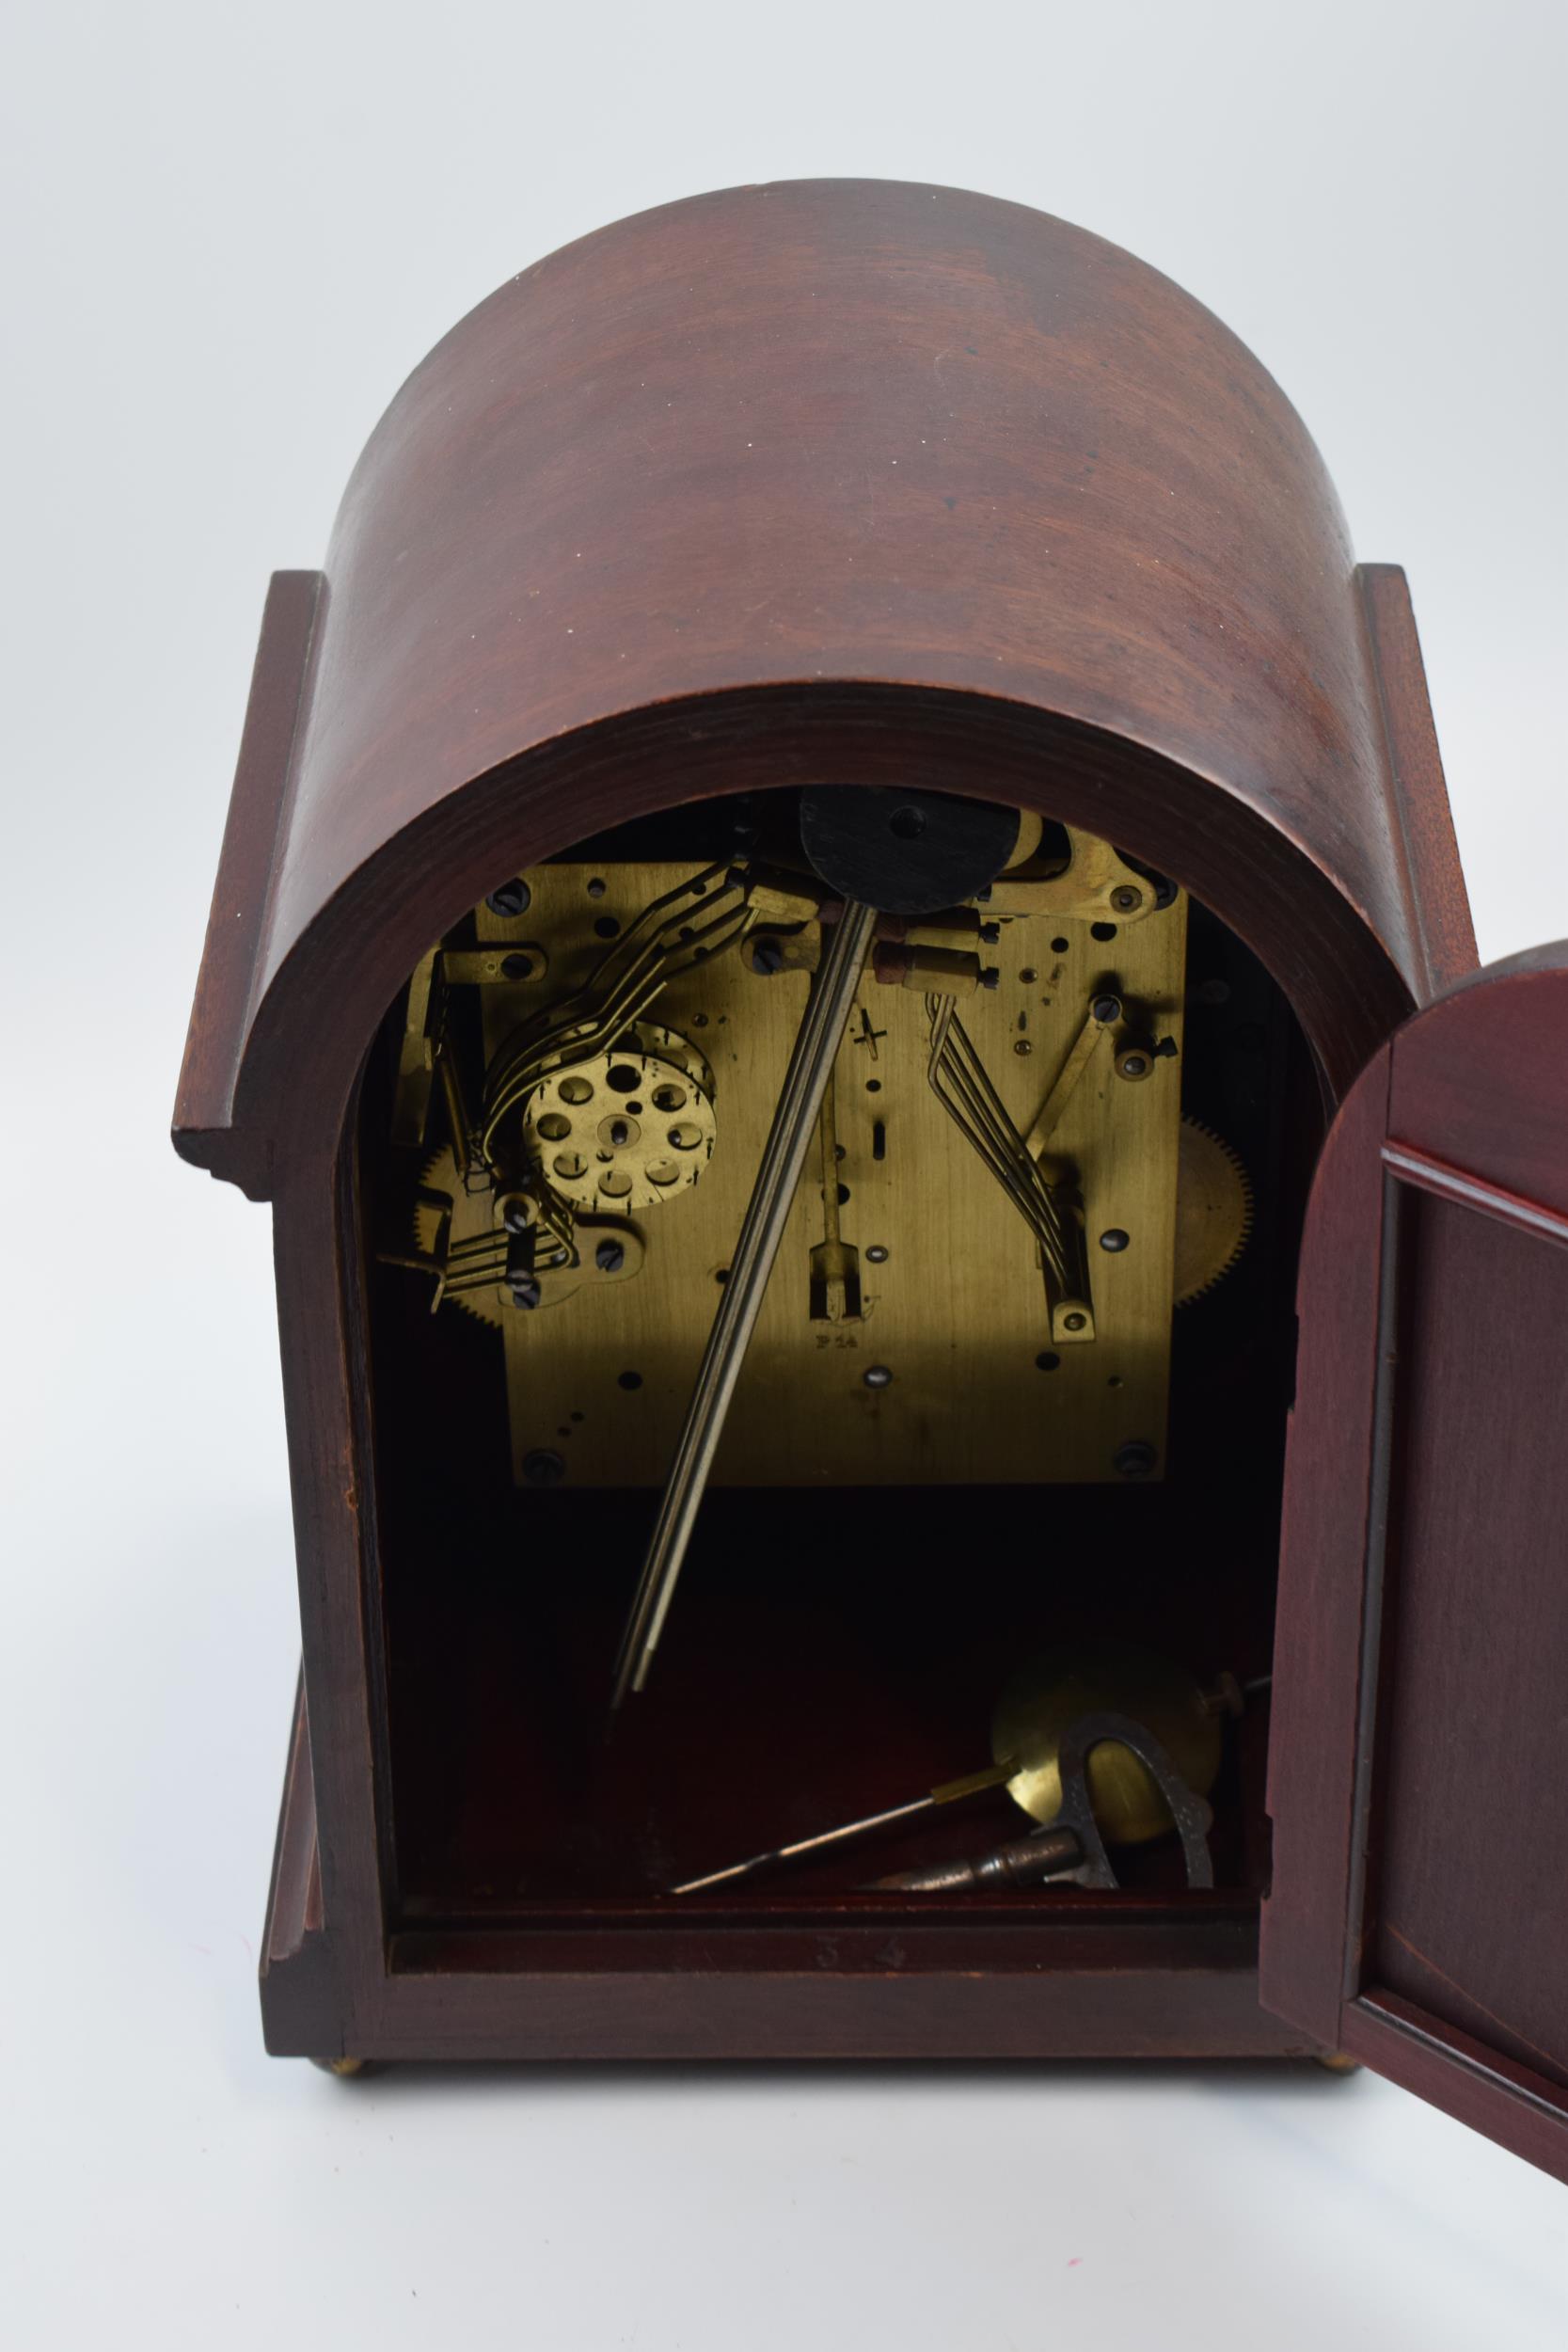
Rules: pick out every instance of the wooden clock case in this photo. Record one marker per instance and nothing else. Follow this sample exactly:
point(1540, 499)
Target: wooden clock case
point(868, 482)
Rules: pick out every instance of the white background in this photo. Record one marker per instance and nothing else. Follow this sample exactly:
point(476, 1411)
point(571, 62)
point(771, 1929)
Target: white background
point(230, 231)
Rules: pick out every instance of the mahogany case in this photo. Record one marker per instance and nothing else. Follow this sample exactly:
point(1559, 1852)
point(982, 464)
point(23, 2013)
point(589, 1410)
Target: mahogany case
point(856, 482)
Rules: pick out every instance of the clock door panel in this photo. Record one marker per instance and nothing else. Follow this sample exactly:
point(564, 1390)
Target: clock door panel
point(1418, 1913)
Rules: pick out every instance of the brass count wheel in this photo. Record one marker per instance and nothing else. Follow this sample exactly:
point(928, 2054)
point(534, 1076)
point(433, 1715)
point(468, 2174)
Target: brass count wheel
point(627, 1129)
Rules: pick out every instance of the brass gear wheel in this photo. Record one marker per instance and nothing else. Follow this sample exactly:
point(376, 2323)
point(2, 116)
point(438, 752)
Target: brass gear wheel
point(627, 1129)
point(1214, 1211)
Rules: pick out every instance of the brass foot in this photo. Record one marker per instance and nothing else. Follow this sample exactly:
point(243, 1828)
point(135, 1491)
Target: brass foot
point(1335, 2063)
point(345, 2066)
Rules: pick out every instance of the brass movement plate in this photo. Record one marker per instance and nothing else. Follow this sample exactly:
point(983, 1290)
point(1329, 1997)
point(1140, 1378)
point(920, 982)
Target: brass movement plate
point(953, 1300)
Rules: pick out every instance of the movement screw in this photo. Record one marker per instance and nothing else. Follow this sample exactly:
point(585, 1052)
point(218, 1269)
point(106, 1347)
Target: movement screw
point(1134, 1461)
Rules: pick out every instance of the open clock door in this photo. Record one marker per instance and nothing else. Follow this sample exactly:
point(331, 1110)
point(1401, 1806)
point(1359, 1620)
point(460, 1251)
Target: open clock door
point(1418, 1777)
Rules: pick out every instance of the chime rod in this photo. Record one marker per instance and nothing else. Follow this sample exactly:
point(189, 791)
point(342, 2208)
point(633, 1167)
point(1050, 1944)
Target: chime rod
point(810, 1066)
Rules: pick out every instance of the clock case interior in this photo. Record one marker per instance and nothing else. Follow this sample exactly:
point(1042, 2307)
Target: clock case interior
point(872, 1564)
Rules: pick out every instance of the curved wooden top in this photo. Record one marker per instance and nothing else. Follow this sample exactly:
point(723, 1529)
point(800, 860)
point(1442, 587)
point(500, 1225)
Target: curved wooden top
point(756, 484)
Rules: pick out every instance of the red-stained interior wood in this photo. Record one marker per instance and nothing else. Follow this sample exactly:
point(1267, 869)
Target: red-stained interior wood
point(837, 1650)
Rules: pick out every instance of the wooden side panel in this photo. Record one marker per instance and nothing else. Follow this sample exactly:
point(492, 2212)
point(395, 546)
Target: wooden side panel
point(1312, 1732)
point(1443, 935)
point(321, 1306)
point(227, 985)
point(1420, 1911)
point(301, 2001)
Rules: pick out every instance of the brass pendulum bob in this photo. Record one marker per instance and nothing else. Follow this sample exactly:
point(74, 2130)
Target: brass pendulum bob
point(1044, 1700)
point(1057, 1686)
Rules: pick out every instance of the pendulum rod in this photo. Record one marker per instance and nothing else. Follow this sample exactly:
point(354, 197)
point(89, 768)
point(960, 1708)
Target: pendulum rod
point(810, 1066)
point(950, 1792)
